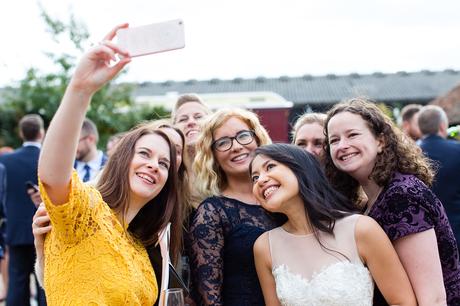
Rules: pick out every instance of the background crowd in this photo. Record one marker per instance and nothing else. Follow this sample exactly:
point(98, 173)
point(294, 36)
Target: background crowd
point(356, 211)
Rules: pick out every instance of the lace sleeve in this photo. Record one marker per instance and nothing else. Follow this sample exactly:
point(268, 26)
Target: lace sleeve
point(207, 243)
point(73, 220)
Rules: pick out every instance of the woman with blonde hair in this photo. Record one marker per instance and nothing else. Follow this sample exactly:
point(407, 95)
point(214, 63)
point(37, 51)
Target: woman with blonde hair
point(308, 133)
point(229, 220)
point(365, 150)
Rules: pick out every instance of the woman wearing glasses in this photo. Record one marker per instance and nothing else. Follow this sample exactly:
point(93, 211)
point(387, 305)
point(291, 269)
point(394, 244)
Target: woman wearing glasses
point(229, 220)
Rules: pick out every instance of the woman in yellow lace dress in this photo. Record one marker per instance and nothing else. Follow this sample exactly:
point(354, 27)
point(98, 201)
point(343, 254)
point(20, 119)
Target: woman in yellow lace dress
point(97, 252)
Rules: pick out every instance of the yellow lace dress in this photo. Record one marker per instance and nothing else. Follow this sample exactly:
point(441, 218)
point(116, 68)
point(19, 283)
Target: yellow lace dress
point(89, 258)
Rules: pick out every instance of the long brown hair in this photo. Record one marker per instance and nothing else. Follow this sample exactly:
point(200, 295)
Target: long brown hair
point(154, 216)
point(399, 154)
point(185, 195)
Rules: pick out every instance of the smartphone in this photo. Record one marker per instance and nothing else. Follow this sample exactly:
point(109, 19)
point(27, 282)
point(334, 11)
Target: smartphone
point(153, 38)
point(30, 185)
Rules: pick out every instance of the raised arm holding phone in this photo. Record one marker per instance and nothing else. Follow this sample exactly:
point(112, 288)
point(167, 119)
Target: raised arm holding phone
point(97, 250)
point(58, 155)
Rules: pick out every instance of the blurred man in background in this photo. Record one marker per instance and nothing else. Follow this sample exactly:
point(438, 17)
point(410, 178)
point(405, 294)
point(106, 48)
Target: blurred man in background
point(409, 123)
point(89, 160)
point(433, 124)
point(21, 175)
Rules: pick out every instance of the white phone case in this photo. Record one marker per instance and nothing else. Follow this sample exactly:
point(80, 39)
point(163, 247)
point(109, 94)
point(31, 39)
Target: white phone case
point(153, 38)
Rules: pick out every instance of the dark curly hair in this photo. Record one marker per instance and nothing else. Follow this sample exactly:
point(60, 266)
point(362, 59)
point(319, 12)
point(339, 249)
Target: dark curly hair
point(399, 154)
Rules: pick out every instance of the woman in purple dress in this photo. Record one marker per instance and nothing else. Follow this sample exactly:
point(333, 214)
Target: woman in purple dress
point(366, 152)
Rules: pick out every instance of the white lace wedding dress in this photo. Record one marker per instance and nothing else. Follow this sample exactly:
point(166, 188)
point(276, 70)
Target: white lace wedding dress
point(308, 274)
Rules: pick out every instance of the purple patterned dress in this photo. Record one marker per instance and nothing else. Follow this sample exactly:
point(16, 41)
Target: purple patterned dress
point(407, 206)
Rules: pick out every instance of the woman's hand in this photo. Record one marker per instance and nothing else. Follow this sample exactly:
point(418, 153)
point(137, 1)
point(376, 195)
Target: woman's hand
point(60, 145)
point(94, 69)
point(40, 227)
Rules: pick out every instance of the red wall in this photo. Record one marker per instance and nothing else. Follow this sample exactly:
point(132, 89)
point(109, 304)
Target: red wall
point(275, 120)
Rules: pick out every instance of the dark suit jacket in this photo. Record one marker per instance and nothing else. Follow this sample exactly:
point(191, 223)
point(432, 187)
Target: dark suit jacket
point(2, 208)
point(21, 166)
point(2, 187)
point(446, 153)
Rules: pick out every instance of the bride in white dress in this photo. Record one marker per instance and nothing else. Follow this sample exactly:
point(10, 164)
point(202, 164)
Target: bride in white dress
point(324, 254)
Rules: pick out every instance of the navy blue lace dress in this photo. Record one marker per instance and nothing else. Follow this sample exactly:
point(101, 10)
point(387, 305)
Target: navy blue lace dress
point(222, 235)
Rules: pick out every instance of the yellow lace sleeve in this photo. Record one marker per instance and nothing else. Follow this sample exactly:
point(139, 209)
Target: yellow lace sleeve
point(90, 259)
point(72, 220)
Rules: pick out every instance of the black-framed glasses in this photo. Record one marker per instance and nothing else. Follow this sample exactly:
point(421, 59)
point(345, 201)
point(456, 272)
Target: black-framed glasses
point(226, 143)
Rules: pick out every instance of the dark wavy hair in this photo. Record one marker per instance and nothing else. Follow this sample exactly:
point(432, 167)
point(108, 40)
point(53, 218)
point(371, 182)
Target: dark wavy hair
point(154, 215)
point(399, 153)
point(323, 204)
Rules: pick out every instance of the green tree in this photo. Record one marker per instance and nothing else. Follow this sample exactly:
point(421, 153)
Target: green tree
point(112, 108)
point(386, 110)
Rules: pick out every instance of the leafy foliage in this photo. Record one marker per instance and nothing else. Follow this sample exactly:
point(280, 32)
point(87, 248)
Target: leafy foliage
point(386, 110)
point(112, 108)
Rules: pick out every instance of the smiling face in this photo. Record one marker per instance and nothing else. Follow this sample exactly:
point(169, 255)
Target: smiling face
point(187, 119)
point(148, 171)
point(274, 185)
point(311, 138)
point(176, 140)
point(235, 161)
point(353, 146)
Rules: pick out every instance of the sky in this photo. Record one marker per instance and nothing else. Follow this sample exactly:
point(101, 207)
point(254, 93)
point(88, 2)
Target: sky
point(249, 38)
